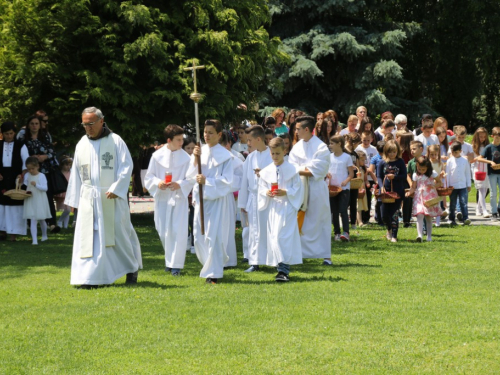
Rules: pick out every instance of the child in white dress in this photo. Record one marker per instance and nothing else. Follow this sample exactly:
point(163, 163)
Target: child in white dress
point(36, 207)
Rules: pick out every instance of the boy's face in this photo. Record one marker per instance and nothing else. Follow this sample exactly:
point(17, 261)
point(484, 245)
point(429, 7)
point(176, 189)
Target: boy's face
point(252, 142)
point(457, 154)
point(211, 136)
point(461, 138)
point(366, 140)
point(416, 150)
point(427, 131)
point(268, 138)
point(278, 155)
point(242, 136)
point(176, 143)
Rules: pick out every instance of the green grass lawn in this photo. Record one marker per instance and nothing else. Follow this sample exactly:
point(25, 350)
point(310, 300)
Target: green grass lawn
point(382, 308)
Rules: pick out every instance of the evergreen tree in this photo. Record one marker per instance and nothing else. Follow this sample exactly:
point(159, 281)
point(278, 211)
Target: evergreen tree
point(127, 57)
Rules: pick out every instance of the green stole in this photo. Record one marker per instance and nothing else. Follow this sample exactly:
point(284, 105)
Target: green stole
point(107, 157)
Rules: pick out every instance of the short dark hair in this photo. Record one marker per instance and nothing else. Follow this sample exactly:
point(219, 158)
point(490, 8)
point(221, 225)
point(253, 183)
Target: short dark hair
point(223, 139)
point(426, 116)
point(380, 146)
point(187, 141)
point(171, 131)
point(389, 124)
point(256, 131)
point(418, 143)
point(7, 126)
point(32, 160)
point(268, 131)
point(456, 146)
point(306, 122)
point(215, 123)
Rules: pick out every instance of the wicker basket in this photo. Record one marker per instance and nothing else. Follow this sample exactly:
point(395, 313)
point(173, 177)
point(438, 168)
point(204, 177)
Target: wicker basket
point(356, 183)
point(444, 191)
point(387, 197)
point(432, 202)
point(17, 194)
point(334, 190)
point(361, 193)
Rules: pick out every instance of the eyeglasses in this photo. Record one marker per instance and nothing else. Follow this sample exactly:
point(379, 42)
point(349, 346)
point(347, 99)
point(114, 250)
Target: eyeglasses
point(89, 124)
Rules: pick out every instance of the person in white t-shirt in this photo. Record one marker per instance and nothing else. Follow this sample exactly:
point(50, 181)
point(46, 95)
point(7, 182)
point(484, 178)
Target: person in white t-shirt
point(340, 173)
point(427, 138)
point(467, 151)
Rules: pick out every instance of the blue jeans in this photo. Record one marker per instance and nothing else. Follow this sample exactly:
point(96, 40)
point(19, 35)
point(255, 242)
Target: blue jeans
point(494, 181)
point(461, 195)
point(285, 268)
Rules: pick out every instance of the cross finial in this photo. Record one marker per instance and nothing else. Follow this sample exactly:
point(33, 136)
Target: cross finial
point(194, 68)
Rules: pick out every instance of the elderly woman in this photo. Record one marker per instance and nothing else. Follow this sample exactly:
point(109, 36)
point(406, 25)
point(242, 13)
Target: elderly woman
point(13, 155)
point(39, 145)
point(401, 122)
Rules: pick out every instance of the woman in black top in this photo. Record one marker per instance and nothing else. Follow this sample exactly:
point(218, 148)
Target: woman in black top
point(394, 168)
point(39, 145)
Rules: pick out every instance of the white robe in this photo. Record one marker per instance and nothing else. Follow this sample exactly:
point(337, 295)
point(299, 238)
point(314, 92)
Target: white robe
point(247, 199)
point(171, 206)
point(217, 167)
point(283, 238)
point(316, 239)
point(231, 228)
point(107, 263)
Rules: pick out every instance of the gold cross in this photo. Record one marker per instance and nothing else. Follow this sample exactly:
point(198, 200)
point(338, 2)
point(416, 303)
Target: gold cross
point(194, 68)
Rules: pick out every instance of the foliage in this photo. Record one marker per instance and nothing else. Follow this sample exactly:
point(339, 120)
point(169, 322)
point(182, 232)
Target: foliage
point(127, 57)
point(382, 308)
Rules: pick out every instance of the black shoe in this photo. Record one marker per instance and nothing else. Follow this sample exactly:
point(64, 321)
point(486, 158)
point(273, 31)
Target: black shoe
point(460, 216)
point(406, 225)
point(494, 217)
point(282, 277)
point(55, 229)
point(87, 287)
point(327, 263)
point(168, 269)
point(245, 260)
point(176, 273)
point(210, 280)
point(132, 278)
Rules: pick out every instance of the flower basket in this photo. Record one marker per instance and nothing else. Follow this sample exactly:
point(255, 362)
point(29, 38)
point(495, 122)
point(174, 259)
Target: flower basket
point(17, 194)
point(356, 183)
point(361, 193)
point(334, 190)
point(432, 202)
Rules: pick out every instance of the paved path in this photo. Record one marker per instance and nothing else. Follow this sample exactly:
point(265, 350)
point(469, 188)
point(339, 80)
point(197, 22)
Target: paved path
point(146, 205)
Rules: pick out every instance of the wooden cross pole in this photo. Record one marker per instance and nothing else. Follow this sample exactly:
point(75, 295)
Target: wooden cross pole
point(196, 97)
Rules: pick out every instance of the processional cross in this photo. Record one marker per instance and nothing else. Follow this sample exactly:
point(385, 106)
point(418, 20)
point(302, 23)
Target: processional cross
point(196, 97)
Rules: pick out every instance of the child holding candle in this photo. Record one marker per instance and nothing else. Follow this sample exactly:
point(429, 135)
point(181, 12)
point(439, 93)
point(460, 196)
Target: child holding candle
point(166, 181)
point(281, 194)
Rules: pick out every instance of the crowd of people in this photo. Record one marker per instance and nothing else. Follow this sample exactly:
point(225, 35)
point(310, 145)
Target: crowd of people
point(287, 181)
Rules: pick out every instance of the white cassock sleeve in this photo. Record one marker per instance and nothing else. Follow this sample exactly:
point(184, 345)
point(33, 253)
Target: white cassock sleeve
point(220, 186)
point(319, 164)
point(263, 199)
point(124, 167)
point(243, 194)
point(295, 192)
point(151, 180)
point(237, 174)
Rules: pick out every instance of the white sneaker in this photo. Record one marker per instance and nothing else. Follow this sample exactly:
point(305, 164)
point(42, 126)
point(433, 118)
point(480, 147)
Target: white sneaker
point(344, 237)
point(44, 239)
point(486, 215)
point(337, 237)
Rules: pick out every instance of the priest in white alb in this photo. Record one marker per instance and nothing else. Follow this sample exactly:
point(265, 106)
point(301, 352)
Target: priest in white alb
point(105, 246)
point(311, 157)
point(166, 182)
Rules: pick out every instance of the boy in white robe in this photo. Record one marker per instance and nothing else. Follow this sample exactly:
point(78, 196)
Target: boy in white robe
point(105, 246)
point(248, 197)
point(282, 202)
point(166, 181)
point(311, 156)
point(235, 186)
point(216, 179)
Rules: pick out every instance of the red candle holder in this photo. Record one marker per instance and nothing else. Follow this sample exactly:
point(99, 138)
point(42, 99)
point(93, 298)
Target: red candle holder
point(274, 187)
point(168, 177)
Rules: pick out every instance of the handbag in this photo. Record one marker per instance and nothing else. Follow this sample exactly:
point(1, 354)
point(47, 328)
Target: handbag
point(57, 182)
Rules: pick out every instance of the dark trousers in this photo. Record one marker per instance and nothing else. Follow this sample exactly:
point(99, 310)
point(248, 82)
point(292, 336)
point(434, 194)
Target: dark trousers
point(338, 206)
point(407, 209)
point(190, 223)
point(353, 205)
point(52, 206)
point(365, 215)
point(390, 215)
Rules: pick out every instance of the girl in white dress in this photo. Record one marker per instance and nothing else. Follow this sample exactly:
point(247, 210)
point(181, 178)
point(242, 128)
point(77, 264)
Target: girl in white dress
point(36, 207)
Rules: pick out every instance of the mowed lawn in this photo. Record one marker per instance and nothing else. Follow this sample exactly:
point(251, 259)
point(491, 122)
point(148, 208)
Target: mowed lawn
point(382, 308)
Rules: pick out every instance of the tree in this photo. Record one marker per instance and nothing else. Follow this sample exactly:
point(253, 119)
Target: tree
point(127, 57)
point(343, 54)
